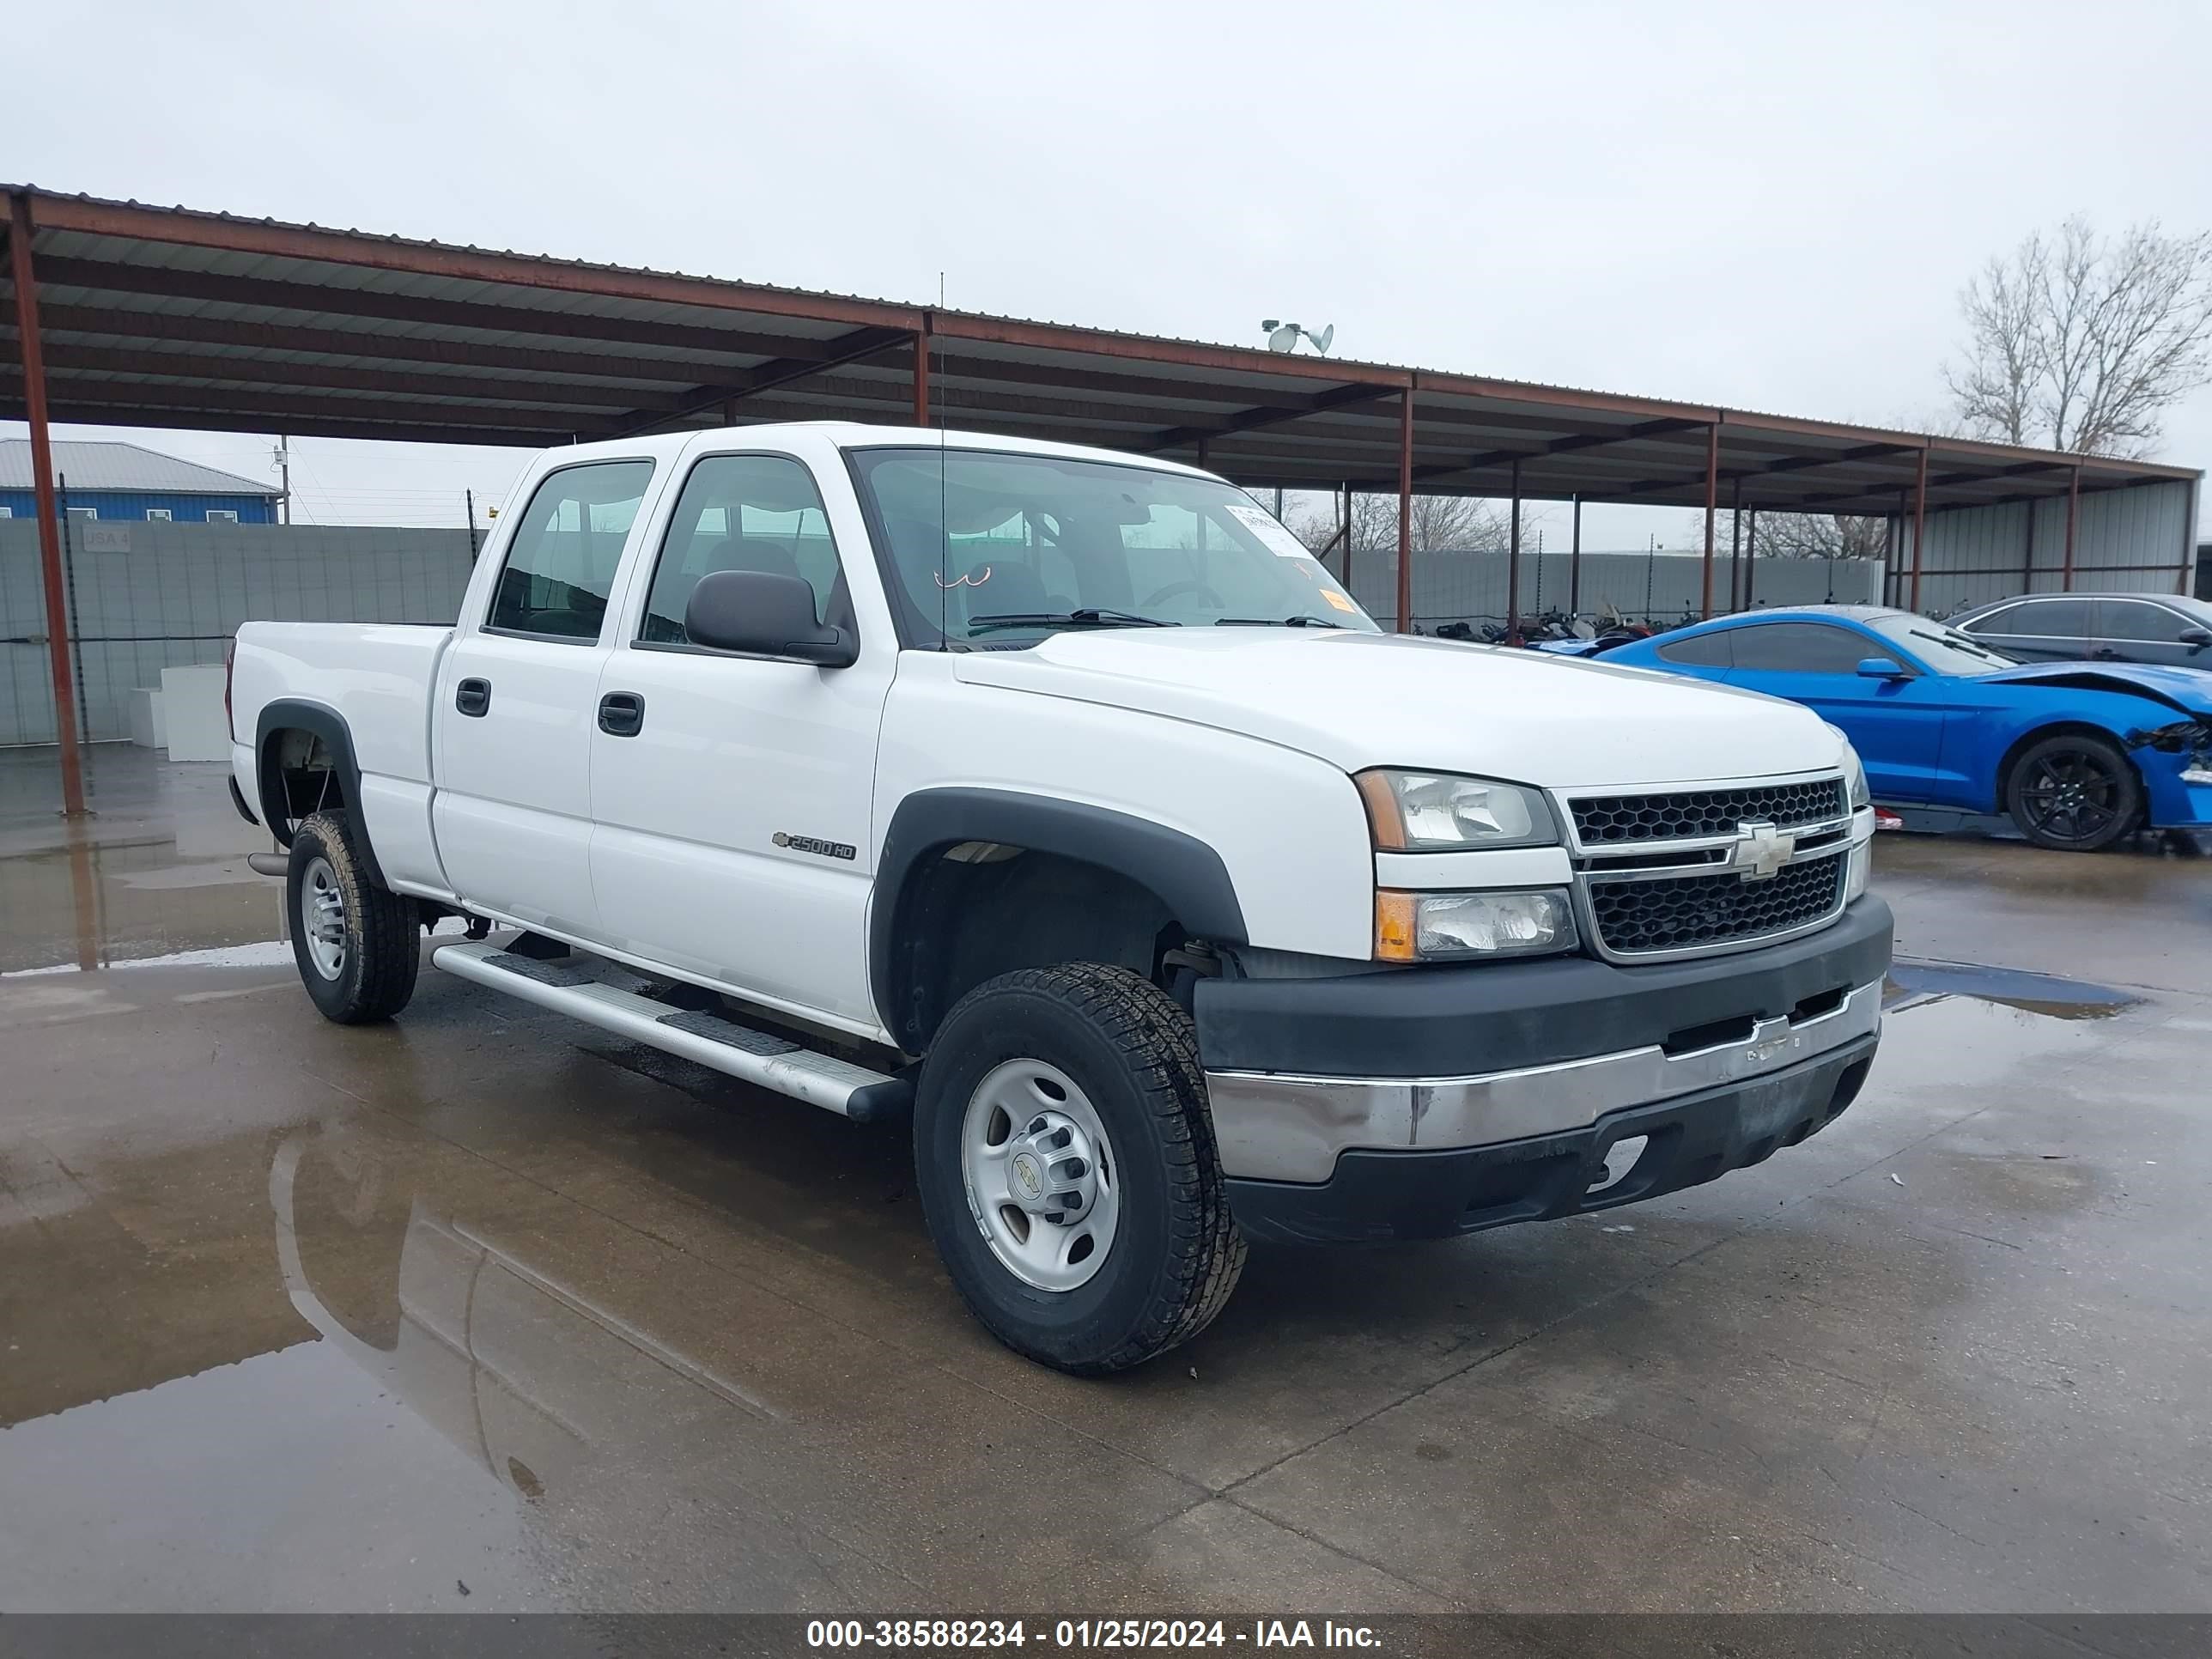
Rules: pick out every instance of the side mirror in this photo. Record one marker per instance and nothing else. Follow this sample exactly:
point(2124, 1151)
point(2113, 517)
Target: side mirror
point(763, 614)
point(2196, 638)
point(1877, 668)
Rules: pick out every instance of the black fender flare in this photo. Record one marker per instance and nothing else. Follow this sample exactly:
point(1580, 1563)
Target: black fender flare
point(298, 714)
point(1186, 874)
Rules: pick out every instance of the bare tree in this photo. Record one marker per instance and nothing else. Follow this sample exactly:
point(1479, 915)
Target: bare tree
point(1821, 535)
point(2078, 343)
point(1794, 535)
point(1441, 524)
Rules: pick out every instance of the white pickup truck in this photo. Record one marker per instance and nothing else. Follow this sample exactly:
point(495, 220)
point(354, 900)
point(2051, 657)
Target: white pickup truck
point(1063, 802)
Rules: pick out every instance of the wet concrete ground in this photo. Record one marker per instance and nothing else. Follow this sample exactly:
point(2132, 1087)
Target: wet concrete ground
point(308, 1318)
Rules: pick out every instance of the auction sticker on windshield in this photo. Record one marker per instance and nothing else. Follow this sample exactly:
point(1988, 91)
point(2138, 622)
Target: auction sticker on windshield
point(1270, 531)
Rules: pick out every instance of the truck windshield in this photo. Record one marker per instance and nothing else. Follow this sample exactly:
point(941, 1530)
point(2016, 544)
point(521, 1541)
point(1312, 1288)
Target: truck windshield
point(987, 548)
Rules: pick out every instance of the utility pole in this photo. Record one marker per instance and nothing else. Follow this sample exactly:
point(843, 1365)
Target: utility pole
point(284, 473)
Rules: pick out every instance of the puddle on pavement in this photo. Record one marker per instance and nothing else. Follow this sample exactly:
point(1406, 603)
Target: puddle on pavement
point(1913, 984)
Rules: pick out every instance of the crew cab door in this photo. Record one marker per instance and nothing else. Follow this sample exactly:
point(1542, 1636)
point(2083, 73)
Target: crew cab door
point(733, 794)
point(516, 699)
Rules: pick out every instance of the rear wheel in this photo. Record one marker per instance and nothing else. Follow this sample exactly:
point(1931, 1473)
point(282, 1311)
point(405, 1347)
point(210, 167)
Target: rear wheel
point(1066, 1167)
point(358, 944)
point(2074, 793)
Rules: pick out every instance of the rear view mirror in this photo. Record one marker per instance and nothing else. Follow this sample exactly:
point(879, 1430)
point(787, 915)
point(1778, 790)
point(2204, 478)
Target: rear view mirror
point(1881, 668)
point(764, 614)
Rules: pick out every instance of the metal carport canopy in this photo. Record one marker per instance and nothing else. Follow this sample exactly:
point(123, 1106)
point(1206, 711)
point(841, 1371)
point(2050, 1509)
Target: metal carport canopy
point(172, 317)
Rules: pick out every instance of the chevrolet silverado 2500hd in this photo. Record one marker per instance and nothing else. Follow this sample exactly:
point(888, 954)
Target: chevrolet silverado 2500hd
point(1065, 803)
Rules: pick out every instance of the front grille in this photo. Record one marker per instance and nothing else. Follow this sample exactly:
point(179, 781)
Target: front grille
point(1608, 820)
point(1640, 917)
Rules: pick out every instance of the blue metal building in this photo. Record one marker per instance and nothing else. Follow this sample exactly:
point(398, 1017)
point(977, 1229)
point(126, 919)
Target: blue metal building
point(120, 481)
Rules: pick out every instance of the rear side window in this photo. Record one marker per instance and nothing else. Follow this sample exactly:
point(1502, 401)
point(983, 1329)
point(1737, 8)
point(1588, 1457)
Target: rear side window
point(2136, 619)
point(2051, 619)
point(1802, 648)
point(561, 565)
point(1702, 650)
point(742, 512)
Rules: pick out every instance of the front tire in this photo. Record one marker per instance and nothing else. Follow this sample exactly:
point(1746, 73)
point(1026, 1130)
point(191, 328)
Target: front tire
point(358, 944)
point(1066, 1163)
point(2074, 793)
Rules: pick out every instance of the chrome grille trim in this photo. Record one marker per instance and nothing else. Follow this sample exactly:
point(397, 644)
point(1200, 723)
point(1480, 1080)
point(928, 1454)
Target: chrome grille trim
point(1662, 858)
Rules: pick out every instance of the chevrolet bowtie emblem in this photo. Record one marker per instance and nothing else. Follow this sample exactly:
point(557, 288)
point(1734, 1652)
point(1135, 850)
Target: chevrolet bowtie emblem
point(1760, 851)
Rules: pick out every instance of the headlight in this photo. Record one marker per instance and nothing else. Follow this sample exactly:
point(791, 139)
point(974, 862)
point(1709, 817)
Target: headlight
point(1437, 927)
point(1854, 772)
point(1431, 812)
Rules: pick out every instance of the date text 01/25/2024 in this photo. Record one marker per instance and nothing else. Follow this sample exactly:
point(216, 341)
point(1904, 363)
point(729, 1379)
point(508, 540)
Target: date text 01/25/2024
point(831, 1634)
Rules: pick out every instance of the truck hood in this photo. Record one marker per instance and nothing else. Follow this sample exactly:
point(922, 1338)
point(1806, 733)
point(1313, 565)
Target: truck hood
point(1361, 700)
point(2189, 690)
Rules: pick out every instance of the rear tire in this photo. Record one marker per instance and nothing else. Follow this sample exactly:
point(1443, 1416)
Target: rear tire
point(2074, 792)
point(1087, 1078)
point(358, 944)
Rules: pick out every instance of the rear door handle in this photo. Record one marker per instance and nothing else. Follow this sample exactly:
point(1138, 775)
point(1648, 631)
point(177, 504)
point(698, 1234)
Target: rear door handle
point(622, 714)
point(472, 697)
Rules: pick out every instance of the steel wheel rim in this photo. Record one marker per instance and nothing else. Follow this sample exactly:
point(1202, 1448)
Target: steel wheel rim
point(2070, 796)
point(1043, 1181)
point(323, 918)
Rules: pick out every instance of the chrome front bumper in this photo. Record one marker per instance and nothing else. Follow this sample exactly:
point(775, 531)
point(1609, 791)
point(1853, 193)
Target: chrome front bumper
point(1274, 1126)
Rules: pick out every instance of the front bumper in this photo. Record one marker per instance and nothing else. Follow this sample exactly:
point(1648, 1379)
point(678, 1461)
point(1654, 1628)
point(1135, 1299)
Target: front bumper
point(1304, 1073)
point(1374, 1196)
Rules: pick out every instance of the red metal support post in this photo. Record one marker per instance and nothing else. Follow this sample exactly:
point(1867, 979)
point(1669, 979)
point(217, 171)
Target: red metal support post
point(1347, 539)
point(1750, 557)
point(1919, 525)
point(1712, 503)
point(1736, 547)
point(42, 485)
point(1405, 511)
point(1513, 560)
point(921, 377)
point(1575, 565)
point(2073, 520)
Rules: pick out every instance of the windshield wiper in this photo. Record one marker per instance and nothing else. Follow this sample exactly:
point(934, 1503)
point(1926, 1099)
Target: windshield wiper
point(1089, 615)
point(1275, 621)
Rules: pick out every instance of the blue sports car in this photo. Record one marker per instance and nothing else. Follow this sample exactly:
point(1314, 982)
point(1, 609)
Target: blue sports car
point(2079, 754)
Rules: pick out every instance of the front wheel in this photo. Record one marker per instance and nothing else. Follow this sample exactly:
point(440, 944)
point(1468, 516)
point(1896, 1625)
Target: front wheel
point(1066, 1168)
point(358, 943)
point(2074, 793)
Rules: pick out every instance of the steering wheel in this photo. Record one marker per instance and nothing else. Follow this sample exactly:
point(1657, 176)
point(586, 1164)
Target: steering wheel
point(1174, 589)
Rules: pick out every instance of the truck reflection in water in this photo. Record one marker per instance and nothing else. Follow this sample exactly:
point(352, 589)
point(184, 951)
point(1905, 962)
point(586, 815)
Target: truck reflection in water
point(613, 1436)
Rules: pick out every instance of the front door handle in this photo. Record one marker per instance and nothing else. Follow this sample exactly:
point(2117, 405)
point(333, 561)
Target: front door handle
point(473, 697)
point(622, 714)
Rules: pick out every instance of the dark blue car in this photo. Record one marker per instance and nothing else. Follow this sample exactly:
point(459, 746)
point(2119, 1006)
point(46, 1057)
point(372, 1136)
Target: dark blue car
point(2078, 753)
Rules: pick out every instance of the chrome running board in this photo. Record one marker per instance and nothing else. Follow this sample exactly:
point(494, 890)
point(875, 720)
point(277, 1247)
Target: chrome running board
point(779, 1063)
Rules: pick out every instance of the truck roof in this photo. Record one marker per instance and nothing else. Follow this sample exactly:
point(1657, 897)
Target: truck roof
point(857, 434)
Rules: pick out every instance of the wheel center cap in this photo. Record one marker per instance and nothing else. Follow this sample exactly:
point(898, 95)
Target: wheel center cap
point(1029, 1177)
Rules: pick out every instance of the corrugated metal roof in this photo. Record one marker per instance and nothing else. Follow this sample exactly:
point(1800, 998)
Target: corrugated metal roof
point(124, 467)
point(155, 316)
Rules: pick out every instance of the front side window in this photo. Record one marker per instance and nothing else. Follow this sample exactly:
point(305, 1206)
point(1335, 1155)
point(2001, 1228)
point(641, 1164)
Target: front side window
point(561, 563)
point(990, 549)
point(1800, 648)
point(2141, 620)
point(743, 513)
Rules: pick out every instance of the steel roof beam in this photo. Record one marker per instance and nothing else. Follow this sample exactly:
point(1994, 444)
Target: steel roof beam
point(1274, 414)
point(1642, 430)
point(848, 348)
point(316, 299)
point(163, 366)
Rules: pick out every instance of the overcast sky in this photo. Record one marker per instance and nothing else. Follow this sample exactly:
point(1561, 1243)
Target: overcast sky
point(1765, 206)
